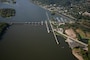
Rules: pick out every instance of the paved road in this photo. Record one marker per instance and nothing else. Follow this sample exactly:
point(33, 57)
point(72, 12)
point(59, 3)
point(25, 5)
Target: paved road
point(73, 39)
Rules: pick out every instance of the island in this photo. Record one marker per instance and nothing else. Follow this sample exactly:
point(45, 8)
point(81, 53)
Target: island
point(7, 12)
point(8, 1)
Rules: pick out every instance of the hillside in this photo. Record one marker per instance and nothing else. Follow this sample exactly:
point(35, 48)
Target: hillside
point(61, 2)
point(84, 4)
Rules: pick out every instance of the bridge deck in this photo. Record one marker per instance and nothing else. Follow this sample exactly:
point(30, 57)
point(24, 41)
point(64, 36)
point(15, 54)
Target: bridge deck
point(33, 23)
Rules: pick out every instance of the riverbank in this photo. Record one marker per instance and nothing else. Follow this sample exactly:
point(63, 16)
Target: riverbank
point(54, 9)
point(73, 52)
point(77, 54)
point(3, 27)
point(71, 38)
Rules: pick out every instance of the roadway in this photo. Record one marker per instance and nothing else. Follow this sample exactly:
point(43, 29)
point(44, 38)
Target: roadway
point(73, 39)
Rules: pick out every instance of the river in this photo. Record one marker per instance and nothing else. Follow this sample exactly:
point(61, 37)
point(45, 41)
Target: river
point(31, 42)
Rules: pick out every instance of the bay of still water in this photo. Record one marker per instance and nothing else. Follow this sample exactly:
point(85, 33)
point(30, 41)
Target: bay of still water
point(27, 42)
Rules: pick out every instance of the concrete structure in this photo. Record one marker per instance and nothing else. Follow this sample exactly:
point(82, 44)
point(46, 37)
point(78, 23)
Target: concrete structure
point(81, 44)
point(47, 27)
point(31, 23)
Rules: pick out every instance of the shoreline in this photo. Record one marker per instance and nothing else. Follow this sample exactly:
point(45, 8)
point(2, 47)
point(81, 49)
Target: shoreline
point(77, 54)
point(73, 52)
point(3, 29)
point(56, 12)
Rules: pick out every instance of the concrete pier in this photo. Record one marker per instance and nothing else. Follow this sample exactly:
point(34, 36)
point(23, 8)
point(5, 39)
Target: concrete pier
point(47, 27)
point(53, 33)
point(47, 16)
point(52, 28)
point(41, 22)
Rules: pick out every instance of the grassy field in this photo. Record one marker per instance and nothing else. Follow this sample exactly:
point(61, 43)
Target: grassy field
point(82, 34)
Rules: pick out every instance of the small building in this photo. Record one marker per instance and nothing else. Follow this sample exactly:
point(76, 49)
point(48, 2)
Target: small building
point(60, 30)
point(86, 13)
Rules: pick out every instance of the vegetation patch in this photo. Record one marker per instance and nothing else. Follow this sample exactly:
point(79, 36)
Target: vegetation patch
point(8, 1)
point(3, 27)
point(7, 12)
point(53, 13)
point(86, 23)
point(81, 33)
point(84, 54)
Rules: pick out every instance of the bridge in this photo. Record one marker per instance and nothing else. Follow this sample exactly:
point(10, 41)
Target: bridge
point(31, 23)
